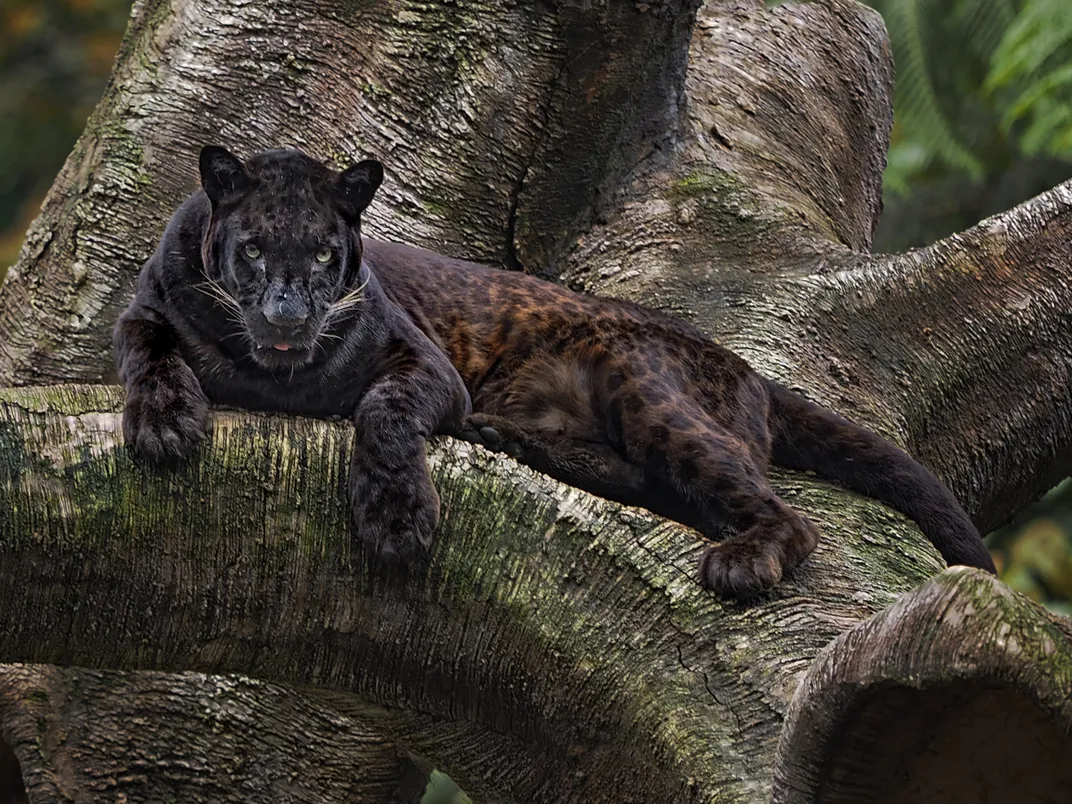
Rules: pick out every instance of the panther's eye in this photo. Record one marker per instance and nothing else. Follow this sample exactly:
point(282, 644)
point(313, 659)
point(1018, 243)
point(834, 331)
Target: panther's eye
point(252, 251)
point(324, 255)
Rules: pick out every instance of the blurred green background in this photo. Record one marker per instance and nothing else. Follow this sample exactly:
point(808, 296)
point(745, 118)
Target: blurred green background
point(983, 121)
point(55, 57)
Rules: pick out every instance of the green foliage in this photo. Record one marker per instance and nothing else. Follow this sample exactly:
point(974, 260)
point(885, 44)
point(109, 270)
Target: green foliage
point(442, 790)
point(980, 84)
point(922, 110)
point(1033, 65)
point(944, 121)
point(1034, 554)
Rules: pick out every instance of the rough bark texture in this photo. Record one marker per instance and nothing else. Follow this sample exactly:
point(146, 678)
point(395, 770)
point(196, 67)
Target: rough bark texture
point(722, 164)
point(757, 228)
point(959, 692)
point(558, 648)
point(92, 736)
point(457, 100)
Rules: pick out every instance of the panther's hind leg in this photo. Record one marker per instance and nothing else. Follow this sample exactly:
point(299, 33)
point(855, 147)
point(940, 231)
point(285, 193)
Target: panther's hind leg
point(593, 466)
point(715, 470)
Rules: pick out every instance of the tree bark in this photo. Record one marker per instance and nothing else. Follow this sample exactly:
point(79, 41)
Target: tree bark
point(722, 164)
point(956, 693)
point(561, 641)
point(105, 736)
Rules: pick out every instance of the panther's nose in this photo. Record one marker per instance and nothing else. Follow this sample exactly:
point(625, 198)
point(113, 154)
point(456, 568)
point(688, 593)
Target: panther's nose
point(286, 322)
point(287, 313)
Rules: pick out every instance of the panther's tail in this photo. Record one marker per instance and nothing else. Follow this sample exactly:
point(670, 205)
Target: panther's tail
point(807, 436)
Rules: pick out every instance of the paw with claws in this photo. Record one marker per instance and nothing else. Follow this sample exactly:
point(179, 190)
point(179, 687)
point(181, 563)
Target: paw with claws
point(494, 433)
point(166, 414)
point(394, 515)
point(740, 570)
point(747, 564)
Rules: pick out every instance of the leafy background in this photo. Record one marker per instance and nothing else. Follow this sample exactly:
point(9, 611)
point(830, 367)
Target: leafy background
point(55, 57)
point(983, 121)
point(983, 118)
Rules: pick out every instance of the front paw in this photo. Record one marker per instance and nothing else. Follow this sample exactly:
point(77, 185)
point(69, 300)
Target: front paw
point(394, 515)
point(493, 433)
point(166, 417)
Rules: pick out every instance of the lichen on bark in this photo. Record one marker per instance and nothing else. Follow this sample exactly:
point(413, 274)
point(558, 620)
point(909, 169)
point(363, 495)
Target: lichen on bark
point(573, 625)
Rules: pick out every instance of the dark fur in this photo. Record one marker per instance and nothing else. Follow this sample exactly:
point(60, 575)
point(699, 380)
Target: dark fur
point(640, 407)
point(609, 396)
point(201, 329)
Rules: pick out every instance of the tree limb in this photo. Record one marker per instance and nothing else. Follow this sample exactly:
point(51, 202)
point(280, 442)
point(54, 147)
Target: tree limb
point(565, 630)
point(94, 736)
point(957, 692)
point(756, 228)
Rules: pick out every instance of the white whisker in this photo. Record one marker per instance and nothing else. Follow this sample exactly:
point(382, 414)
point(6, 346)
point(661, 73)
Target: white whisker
point(216, 291)
point(349, 301)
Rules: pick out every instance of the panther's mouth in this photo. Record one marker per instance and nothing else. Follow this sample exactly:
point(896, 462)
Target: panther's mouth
point(282, 353)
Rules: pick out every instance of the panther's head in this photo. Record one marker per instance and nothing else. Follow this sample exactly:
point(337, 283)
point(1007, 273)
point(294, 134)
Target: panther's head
point(282, 250)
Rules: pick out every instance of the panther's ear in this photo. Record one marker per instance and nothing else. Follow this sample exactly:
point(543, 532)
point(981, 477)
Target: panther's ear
point(222, 174)
point(357, 185)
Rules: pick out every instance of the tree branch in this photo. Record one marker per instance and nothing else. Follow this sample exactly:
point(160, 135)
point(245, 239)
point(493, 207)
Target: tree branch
point(968, 345)
point(756, 228)
point(568, 631)
point(957, 692)
point(93, 736)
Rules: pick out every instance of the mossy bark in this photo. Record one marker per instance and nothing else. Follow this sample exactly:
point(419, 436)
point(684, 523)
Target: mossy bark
point(565, 636)
point(722, 164)
point(958, 693)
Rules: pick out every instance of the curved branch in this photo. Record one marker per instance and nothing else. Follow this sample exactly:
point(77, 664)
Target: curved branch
point(92, 736)
point(969, 345)
point(775, 105)
point(568, 632)
point(778, 161)
point(957, 692)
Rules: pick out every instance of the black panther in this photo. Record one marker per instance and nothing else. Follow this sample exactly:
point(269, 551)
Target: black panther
point(257, 298)
point(263, 295)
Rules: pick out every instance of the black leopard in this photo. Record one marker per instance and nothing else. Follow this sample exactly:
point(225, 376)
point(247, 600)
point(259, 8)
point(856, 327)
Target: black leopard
point(263, 295)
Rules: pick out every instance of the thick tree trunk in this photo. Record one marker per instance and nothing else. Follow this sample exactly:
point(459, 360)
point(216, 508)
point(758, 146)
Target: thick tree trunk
point(723, 165)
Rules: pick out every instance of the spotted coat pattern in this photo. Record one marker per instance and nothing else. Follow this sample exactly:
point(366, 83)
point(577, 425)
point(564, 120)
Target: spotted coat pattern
point(640, 407)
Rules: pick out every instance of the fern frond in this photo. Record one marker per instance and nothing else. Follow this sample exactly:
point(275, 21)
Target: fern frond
point(983, 24)
point(1041, 31)
point(915, 99)
point(1050, 84)
point(1033, 66)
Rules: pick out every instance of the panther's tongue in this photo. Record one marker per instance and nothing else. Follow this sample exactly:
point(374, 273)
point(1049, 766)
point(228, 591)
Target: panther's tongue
point(282, 347)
